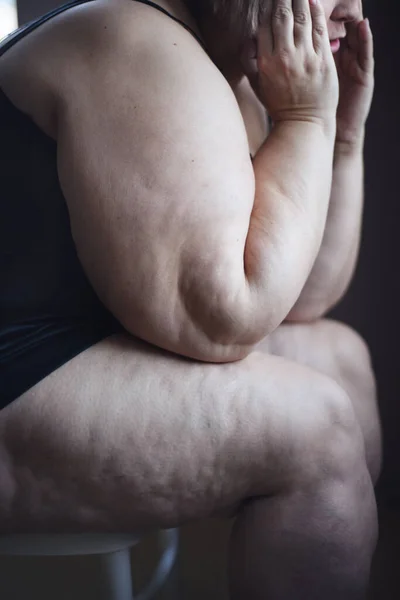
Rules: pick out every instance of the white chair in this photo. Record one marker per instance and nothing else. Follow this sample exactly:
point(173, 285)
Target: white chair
point(115, 557)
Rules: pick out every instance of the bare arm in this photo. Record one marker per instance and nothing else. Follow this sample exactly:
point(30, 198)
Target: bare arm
point(336, 261)
point(289, 217)
point(190, 248)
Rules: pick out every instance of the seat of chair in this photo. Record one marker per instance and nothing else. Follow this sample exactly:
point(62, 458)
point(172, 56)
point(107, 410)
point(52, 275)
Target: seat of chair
point(65, 545)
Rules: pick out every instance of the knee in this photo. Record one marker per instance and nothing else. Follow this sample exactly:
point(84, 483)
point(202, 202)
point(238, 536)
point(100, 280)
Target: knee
point(337, 466)
point(349, 350)
point(332, 446)
point(312, 442)
point(354, 371)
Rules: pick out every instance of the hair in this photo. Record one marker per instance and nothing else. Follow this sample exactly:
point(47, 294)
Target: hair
point(242, 17)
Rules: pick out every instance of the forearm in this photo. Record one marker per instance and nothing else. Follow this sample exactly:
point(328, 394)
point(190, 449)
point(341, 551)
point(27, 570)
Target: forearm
point(336, 260)
point(293, 172)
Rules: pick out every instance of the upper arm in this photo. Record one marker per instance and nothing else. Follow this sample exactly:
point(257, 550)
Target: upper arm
point(154, 165)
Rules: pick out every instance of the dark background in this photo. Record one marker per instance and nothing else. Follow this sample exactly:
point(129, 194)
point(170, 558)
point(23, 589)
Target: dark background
point(371, 307)
point(373, 302)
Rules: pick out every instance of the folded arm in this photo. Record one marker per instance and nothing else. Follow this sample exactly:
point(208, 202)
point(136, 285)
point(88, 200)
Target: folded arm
point(190, 248)
point(337, 258)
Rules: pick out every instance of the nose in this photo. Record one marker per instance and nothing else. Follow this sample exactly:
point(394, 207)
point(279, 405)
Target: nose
point(346, 11)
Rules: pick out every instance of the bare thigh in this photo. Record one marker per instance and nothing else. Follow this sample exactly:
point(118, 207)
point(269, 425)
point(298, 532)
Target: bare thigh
point(127, 437)
point(339, 352)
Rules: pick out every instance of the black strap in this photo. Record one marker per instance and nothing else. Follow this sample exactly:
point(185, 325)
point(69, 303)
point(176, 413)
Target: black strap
point(175, 19)
point(20, 33)
point(17, 35)
point(14, 37)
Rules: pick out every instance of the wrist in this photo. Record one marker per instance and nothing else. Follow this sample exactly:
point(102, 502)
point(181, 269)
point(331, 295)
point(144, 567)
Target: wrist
point(327, 127)
point(350, 146)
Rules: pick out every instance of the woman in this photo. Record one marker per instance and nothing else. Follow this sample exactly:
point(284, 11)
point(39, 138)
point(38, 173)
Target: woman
point(164, 356)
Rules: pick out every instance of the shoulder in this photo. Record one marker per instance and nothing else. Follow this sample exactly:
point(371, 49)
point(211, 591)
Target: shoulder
point(121, 57)
point(54, 62)
point(120, 36)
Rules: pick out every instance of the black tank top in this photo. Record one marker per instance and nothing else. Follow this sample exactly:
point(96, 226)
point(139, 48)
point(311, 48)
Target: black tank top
point(49, 312)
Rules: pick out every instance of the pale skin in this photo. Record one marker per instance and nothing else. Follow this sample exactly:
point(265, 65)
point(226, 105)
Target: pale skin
point(128, 436)
point(334, 267)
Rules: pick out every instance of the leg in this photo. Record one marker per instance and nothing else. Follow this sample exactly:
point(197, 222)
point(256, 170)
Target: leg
point(338, 351)
point(126, 437)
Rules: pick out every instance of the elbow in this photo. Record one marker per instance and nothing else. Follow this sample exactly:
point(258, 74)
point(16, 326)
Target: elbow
point(313, 305)
point(307, 314)
point(225, 332)
point(309, 311)
point(224, 339)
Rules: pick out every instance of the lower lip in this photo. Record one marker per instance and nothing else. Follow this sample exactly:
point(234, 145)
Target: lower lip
point(335, 45)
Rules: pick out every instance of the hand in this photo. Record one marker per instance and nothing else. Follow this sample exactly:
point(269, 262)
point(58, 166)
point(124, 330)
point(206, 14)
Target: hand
point(355, 68)
point(294, 74)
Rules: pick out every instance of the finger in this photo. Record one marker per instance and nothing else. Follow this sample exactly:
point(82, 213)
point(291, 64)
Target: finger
point(366, 46)
point(265, 42)
point(352, 35)
point(319, 28)
point(302, 23)
point(282, 26)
